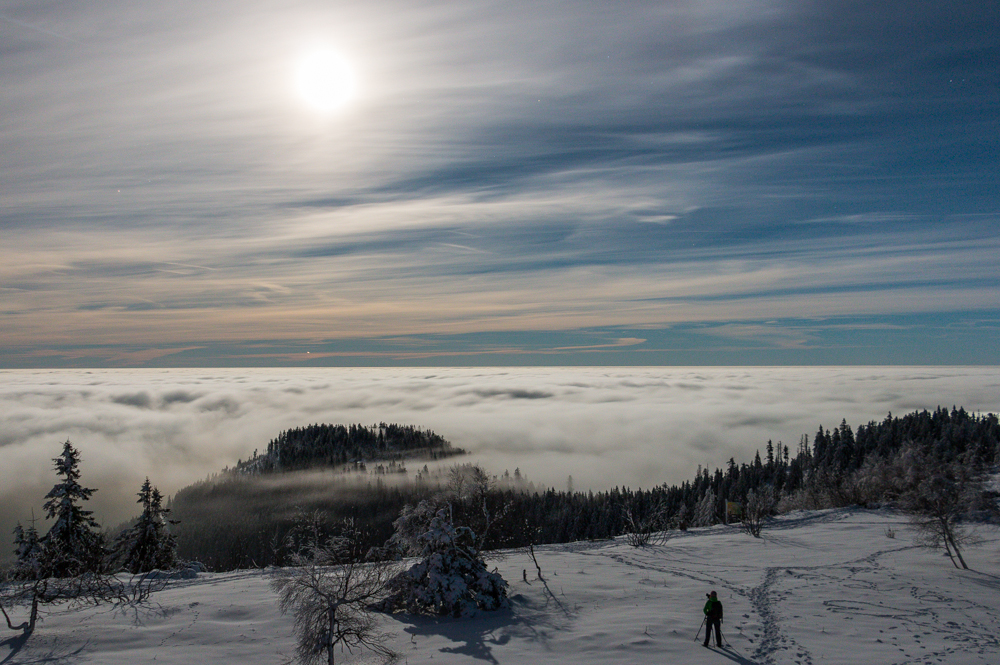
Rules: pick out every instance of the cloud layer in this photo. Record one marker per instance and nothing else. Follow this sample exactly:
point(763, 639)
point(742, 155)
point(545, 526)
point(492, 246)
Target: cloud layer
point(605, 427)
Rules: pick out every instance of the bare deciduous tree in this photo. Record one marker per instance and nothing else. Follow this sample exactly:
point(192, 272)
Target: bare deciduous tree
point(936, 493)
point(473, 491)
point(79, 591)
point(758, 507)
point(935, 505)
point(331, 593)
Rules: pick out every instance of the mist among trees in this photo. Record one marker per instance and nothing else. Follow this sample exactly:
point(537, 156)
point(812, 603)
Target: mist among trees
point(241, 517)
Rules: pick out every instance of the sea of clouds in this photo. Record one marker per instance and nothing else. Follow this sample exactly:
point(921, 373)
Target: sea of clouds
point(605, 427)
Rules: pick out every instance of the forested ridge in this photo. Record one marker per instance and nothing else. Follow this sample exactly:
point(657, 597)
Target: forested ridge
point(825, 473)
point(837, 466)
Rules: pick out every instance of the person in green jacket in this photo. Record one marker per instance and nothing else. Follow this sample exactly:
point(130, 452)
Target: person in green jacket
point(713, 617)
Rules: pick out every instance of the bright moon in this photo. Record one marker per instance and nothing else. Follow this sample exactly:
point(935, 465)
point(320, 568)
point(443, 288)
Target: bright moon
point(324, 80)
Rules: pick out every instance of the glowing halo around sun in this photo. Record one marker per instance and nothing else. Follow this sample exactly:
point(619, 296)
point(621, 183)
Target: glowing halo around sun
point(324, 80)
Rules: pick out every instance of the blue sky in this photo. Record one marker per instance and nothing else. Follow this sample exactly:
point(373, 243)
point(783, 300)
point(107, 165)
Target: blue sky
point(553, 183)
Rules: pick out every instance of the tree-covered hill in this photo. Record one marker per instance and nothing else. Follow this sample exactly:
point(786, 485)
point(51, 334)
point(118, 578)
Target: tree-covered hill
point(330, 446)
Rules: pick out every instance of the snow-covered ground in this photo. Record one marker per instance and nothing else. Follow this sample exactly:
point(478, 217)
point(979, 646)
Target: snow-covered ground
point(820, 587)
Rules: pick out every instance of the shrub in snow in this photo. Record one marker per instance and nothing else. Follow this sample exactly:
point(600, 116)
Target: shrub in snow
point(451, 578)
point(188, 570)
point(639, 530)
point(87, 589)
point(757, 508)
point(27, 554)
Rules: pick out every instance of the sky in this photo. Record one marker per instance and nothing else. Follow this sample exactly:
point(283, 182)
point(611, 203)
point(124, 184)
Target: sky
point(604, 426)
point(701, 182)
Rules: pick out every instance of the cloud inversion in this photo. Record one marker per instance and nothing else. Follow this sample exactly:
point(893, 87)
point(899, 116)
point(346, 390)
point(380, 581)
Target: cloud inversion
point(604, 426)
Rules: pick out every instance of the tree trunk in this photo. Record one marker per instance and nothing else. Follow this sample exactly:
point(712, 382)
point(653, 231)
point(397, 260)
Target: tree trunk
point(331, 643)
point(34, 616)
point(943, 526)
point(960, 559)
point(949, 537)
point(28, 627)
point(7, 617)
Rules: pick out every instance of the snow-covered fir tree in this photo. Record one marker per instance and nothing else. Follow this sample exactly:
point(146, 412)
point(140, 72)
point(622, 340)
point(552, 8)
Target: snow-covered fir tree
point(451, 578)
point(704, 512)
point(147, 545)
point(73, 545)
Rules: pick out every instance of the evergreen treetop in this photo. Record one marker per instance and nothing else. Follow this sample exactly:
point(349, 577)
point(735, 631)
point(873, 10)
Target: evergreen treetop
point(72, 545)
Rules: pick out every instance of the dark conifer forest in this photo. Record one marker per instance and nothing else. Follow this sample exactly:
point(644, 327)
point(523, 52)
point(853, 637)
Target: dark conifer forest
point(246, 516)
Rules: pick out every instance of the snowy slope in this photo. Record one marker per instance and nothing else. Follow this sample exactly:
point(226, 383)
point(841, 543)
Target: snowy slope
point(823, 587)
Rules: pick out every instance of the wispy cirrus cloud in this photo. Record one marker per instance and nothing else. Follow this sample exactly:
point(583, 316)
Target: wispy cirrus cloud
point(504, 168)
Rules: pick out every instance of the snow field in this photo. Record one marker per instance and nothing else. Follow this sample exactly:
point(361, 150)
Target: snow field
point(819, 587)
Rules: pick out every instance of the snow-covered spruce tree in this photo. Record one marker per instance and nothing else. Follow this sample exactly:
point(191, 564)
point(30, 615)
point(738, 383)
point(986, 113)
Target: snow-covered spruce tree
point(704, 512)
point(147, 545)
point(67, 564)
point(412, 523)
point(451, 577)
point(27, 553)
point(73, 545)
point(332, 593)
point(682, 520)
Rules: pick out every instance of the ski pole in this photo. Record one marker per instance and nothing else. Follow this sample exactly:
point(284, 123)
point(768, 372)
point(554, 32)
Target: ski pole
point(699, 628)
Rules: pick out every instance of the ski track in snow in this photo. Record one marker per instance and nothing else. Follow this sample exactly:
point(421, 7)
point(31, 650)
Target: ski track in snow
point(908, 625)
point(760, 599)
point(854, 574)
point(770, 640)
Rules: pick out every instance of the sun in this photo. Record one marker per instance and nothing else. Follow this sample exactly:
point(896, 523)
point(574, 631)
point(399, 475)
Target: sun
point(324, 79)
